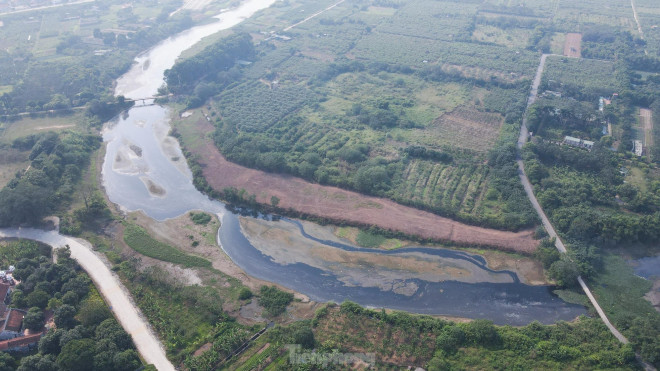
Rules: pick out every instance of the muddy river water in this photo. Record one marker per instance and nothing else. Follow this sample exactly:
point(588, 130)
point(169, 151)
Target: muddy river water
point(144, 169)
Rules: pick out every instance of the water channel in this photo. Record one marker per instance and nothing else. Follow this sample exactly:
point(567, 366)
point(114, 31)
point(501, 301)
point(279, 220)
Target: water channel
point(144, 169)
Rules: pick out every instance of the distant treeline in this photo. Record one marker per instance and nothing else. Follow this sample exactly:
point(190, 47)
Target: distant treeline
point(213, 65)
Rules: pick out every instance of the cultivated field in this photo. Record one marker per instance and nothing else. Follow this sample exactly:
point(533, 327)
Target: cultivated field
point(584, 79)
point(467, 128)
point(341, 205)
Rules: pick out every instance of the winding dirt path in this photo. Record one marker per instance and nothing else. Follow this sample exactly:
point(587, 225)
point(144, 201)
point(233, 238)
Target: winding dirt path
point(128, 315)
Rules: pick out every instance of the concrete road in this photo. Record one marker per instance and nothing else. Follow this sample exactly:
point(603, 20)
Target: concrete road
point(127, 313)
point(529, 190)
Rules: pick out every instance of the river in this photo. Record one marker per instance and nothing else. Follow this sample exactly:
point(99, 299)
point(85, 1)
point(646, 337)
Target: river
point(144, 169)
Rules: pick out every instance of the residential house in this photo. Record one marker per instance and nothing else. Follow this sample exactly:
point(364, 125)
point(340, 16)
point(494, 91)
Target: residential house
point(577, 142)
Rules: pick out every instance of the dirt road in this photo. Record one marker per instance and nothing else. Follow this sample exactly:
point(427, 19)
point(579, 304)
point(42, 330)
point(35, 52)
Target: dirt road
point(647, 123)
point(46, 7)
point(522, 139)
point(314, 15)
point(128, 315)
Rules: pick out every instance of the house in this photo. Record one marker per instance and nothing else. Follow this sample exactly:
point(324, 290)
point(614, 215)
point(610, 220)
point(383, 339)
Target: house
point(577, 142)
point(12, 325)
point(602, 102)
point(638, 148)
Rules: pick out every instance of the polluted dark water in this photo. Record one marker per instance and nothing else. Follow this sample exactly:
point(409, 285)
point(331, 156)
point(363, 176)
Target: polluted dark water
point(503, 303)
point(647, 267)
point(144, 169)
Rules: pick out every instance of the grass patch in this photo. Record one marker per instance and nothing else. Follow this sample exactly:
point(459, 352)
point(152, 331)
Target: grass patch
point(200, 218)
point(368, 239)
point(139, 240)
point(620, 292)
point(572, 297)
point(39, 124)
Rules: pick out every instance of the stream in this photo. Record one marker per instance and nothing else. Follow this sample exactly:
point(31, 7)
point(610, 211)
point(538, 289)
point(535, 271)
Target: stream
point(144, 169)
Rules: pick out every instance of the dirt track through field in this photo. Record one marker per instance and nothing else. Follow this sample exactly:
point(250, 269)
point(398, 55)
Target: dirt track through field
point(647, 123)
point(573, 45)
point(342, 205)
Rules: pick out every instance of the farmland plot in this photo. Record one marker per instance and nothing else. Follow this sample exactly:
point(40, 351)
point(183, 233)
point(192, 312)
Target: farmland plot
point(419, 52)
point(430, 19)
point(466, 128)
point(449, 189)
point(580, 78)
point(255, 106)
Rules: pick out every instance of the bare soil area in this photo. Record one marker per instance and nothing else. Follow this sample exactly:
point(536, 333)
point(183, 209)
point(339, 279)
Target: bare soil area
point(342, 205)
point(653, 296)
point(647, 125)
point(573, 45)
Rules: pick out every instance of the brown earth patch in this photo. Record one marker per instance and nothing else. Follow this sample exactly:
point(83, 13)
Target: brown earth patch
point(647, 124)
point(653, 296)
point(573, 45)
point(342, 205)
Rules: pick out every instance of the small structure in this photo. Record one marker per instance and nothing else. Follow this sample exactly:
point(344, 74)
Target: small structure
point(602, 102)
point(21, 344)
point(12, 325)
point(638, 149)
point(577, 142)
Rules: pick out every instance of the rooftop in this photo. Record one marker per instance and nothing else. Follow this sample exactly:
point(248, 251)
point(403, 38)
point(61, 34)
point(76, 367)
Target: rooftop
point(20, 341)
point(14, 320)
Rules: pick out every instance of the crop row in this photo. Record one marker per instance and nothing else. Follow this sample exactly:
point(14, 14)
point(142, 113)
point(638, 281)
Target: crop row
point(254, 106)
point(455, 188)
point(414, 51)
point(580, 78)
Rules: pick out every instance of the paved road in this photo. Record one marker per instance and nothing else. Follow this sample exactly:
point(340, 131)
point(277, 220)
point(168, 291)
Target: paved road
point(112, 290)
point(46, 7)
point(522, 139)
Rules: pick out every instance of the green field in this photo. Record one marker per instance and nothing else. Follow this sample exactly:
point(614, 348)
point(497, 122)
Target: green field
point(139, 240)
point(583, 79)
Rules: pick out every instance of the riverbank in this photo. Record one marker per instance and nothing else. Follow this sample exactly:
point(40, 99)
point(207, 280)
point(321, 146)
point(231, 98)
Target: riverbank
point(332, 203)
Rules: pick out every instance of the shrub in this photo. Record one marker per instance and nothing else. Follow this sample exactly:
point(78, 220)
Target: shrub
point(274, 300)
point(244, 294)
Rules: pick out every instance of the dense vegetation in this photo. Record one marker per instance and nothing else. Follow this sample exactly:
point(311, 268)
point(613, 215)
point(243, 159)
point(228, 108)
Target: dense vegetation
point(605, 197)
point(56, 165)
point(185, 317)
point(274, 300)
point(64, 69)
point(85, 336)
point(208, 72)
point(402, 339)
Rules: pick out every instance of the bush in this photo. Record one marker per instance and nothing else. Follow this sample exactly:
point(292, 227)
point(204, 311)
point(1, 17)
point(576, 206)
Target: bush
point(244, 294)
point(274, 300)
point(200, 218)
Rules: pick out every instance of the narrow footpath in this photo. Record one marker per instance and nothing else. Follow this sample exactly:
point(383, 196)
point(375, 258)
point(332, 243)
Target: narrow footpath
point(128, 315)
point(522, 139)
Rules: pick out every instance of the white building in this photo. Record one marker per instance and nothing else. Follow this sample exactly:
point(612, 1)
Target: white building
point(577, 142)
